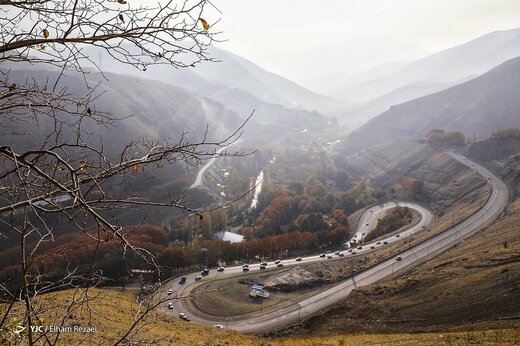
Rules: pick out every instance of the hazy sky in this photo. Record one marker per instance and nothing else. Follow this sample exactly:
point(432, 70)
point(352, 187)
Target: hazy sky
point(305, 39)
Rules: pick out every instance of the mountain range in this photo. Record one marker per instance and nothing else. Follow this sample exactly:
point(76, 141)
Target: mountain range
point(477, 108)
point(433, 73)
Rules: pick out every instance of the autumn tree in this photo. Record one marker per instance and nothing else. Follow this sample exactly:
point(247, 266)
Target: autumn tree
point(452, 139)
point(62, 174)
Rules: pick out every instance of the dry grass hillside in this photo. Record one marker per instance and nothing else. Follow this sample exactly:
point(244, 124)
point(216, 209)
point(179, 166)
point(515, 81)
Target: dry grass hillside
point(111, 318)
point(502, 156)
point(445, 179)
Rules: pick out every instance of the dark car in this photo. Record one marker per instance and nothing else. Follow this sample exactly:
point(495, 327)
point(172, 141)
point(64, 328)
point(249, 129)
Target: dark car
point(298, 259)
point(322, 255)
point(182, 280)
point(220, 269)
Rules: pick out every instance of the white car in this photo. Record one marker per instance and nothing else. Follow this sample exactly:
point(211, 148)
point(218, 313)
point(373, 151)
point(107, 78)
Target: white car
point(198, 277)
point(219, 326)
point(170, 306)
point(169, 292)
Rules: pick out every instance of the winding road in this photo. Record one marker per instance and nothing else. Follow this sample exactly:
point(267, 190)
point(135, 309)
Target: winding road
point(399, 263)
point(200, 174)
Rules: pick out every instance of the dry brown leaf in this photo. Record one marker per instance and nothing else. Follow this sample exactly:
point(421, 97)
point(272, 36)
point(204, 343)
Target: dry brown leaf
point(204, 23)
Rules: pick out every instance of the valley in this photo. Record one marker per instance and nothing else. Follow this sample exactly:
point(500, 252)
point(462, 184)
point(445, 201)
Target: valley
point(164, 184)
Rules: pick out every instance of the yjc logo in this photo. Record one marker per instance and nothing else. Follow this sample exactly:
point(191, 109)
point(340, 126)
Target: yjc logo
point(37, 329)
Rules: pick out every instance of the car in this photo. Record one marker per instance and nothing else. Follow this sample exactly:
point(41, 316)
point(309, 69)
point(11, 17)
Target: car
point(262, 267)
point(220, 269)
point(353, 252)
point(245, 269)
point(298, 259)
point(336, 253)
point(385, 242)
point(204, 271)
point(170, 306)
point(277, 262)
point(183, 316)
point(489, 178)
point(360, 248)
point(263, 264)
point(182, 281)
point(397, 235)
point(219, 326)
point(398, 258)
point(350, 250)
point(329, 257)
point(366, 224)
point(423, 226)
point(372, 247)
point(371, 211)
point(245, 265)
point(169, 292)
point(198, 277)
point(280, 264)
point(363, 233)
point(322, 255)
point(341, 254)
point(378, 219)
point(378, 243)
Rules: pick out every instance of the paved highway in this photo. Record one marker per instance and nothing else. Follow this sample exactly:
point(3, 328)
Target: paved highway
point(403, 261)
point(200, 174)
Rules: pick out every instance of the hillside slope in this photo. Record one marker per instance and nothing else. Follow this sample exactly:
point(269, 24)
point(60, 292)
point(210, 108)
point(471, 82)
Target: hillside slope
point(473, 286)
point(478, 107)
point(235, 76)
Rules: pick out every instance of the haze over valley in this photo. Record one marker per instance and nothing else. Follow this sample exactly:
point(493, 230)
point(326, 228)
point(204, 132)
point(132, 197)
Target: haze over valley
point(180, 174)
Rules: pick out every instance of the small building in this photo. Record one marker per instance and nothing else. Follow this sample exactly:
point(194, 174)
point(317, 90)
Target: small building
point(258, 291)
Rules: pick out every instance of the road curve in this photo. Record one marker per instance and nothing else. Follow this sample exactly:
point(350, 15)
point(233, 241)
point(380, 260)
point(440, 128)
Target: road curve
point(200, 173)
point(408, 259)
